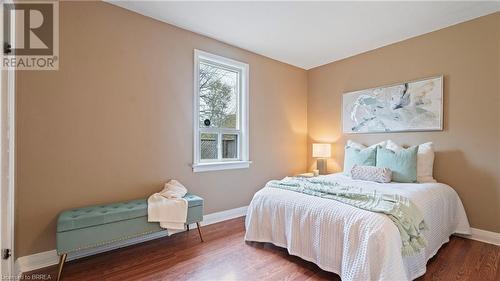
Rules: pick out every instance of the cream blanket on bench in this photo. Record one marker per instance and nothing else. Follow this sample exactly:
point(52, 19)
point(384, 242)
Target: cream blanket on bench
point(168, 207)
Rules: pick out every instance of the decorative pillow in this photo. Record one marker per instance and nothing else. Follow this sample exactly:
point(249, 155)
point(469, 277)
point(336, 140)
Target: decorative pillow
point(425, 160)
point(363, 157)
point(360, 146)
point(393, 146)
point(370, 173)
point(403, 163)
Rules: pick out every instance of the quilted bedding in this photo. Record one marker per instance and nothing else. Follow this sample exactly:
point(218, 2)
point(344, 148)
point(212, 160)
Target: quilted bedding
point(354, 243)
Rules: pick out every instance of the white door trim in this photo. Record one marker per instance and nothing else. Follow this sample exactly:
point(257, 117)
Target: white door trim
point(11, 133)
point(7, 169)
point(7, 174)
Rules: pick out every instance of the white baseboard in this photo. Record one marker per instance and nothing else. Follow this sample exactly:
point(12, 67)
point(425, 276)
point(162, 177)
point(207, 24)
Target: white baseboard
point(224, 215)
point(49, 258)
point(484, 236)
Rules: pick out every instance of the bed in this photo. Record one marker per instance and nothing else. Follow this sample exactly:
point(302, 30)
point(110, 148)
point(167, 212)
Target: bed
point(354, 243)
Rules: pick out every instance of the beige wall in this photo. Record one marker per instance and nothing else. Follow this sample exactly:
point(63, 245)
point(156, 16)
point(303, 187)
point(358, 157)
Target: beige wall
point(115, 121)
point(468, 157)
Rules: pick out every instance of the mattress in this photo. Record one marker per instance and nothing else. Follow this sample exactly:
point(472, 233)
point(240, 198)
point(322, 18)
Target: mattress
point(354, 243)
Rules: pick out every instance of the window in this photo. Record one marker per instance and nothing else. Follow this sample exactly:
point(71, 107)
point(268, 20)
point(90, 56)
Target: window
point(220, 113)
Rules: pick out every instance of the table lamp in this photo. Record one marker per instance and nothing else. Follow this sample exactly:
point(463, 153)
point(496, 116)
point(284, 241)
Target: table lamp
point(322, 151)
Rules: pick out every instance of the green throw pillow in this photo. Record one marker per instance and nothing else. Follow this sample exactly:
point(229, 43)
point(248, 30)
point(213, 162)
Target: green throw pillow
point(403, 163)
point(361, 157)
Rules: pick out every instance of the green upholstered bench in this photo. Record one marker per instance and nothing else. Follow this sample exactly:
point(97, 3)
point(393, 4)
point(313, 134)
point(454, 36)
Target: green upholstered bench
point(95, 226)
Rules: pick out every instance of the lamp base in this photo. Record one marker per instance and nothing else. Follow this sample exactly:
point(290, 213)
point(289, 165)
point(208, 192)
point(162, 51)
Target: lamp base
point(321, 166)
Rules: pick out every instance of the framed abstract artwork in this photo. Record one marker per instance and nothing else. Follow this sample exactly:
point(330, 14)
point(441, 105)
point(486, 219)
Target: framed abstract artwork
point(410, 106)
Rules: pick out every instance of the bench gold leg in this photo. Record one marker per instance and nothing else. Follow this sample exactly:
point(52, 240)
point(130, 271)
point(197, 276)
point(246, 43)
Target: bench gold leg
point(199, 231)
point(62, 260)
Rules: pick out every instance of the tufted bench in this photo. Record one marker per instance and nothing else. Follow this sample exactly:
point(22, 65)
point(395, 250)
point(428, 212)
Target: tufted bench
point(94, 226)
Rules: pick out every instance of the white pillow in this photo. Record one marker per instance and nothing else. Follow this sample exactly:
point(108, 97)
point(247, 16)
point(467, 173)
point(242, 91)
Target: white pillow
point(393, 146)
point(425, 160)
point(360, 146)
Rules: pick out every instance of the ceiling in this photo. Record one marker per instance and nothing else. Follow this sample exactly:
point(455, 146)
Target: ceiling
point(310, 34)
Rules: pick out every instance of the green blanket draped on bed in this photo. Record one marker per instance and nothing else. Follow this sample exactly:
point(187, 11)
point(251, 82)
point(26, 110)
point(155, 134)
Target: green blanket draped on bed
point(399, 209)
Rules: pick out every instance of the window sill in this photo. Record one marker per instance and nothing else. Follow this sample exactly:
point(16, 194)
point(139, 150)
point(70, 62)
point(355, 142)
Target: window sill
point(216, 166)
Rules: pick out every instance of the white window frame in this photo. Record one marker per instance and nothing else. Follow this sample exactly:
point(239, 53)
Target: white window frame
point(242, 131)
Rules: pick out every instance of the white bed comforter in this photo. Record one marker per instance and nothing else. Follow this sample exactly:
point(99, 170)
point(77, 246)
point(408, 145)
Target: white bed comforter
point(354, 243)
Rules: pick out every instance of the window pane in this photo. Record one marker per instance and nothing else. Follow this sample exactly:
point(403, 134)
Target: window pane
point(229, 146)
point(218, 97)
point(208, 146)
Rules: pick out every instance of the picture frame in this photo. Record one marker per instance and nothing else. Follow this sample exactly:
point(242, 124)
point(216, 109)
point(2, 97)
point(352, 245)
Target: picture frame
point(412, 106)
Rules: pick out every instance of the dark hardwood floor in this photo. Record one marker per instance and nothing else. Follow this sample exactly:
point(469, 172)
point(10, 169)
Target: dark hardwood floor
point(225, 256)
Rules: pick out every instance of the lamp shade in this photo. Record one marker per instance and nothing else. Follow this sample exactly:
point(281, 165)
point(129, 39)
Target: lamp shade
point(322, 150)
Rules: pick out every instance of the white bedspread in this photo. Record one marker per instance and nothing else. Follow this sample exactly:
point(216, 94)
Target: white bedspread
point(354, 243)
